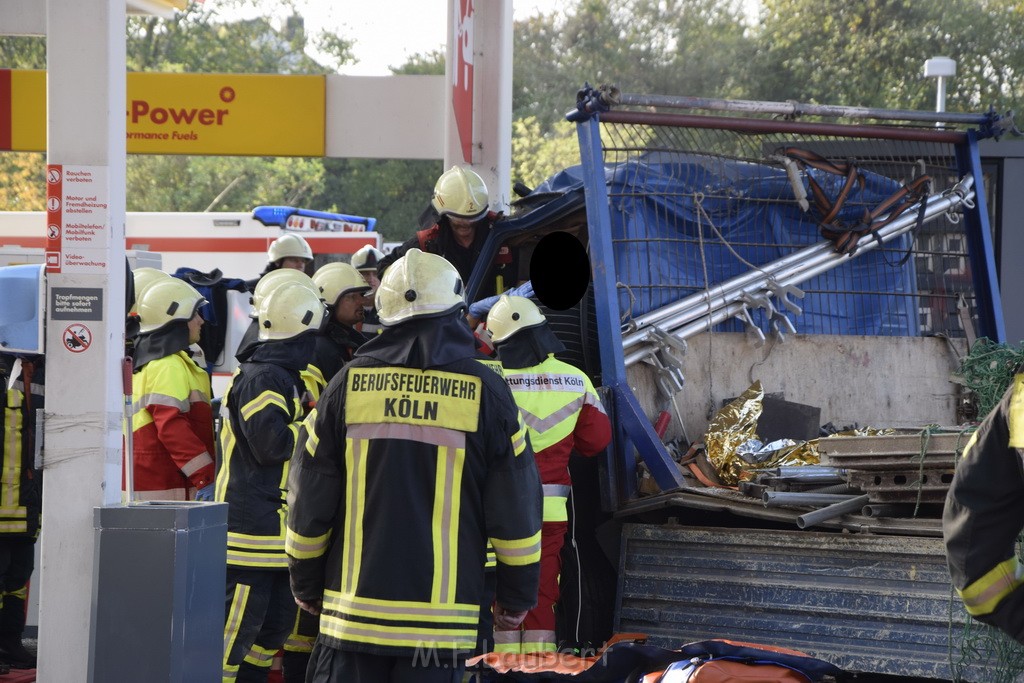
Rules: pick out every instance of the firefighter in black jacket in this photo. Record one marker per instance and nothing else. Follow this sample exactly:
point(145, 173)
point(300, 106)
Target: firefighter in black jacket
point(264, 412)
point(21, 380)
point(343, 289)
point(984, 515)
point(414, 457)
point(460, 202)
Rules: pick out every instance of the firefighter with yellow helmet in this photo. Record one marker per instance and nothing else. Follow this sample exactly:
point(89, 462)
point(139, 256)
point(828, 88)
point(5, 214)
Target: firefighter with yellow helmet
point(264, 411)
point(172, 420)
point(460, 200)
point(414, 457)
point(563, 414)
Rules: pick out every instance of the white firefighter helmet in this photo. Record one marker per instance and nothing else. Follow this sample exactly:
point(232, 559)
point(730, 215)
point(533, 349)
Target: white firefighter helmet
point(289, 311)
point(419, 284)
point(460, 192)
point(277, 278)
point(289, 245)
point(337, 279)
point(143, 278)
point(166, 301)
point(511, 314)
point(367, 258)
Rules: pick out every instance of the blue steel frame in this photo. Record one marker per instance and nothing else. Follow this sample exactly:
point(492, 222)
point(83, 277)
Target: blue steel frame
point(633, 428)
point(979, 237)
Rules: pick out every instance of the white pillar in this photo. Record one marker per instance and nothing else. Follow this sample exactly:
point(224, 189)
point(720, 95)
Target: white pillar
point(478, 119)
point(82, 452)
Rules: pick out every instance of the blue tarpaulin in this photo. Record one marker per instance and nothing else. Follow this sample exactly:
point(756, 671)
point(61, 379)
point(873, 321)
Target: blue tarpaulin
point(676, 216)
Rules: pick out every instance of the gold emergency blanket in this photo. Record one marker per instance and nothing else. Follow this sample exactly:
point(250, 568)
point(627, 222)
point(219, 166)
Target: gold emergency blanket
point(736, 425)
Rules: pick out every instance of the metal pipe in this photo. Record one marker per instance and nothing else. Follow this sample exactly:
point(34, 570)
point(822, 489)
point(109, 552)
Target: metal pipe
point(886, 510)
point(724, 293)
point(785, 127)
point(797, 109)
point(835, 488)
point(832, 511)
point(803, 472)
point(788, 276)
point(777, 498)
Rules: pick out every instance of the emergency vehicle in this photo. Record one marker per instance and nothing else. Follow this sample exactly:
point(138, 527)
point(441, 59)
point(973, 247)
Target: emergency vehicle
point(233, 243)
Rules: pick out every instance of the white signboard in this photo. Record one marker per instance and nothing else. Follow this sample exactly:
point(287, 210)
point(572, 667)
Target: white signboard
point(77, 219)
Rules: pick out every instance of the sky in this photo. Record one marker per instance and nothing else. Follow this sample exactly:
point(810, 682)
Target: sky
point(388, 32)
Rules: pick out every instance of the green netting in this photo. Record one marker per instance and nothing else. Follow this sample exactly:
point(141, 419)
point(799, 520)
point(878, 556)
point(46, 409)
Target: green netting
point(988, 370)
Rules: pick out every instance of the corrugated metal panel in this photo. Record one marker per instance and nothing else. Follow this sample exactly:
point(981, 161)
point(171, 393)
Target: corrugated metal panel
point(875, 604)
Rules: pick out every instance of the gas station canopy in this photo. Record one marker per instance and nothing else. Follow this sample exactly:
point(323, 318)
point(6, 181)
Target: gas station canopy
point(28, 17)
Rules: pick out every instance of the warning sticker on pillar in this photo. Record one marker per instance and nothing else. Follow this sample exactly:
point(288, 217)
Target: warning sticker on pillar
point(77, 338)
point(77, 219)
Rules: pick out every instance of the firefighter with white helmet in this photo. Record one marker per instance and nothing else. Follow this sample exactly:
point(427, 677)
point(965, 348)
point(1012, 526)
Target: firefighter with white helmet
point(267, 284)
point(366, 260)
point(427, 447)
point(563, 413)
point(172, 424)
point(264, 412)
point(289, 251)
point(142, 279)
point(344, 291)
point(460, 200)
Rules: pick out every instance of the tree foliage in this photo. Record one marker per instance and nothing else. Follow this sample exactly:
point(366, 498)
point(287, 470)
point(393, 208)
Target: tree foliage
point(872, 53)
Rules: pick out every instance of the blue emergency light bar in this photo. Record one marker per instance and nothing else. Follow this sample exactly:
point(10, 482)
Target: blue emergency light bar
point(291, 218)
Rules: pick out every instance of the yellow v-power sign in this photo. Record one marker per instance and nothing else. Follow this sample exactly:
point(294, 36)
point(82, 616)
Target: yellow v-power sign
point(198, 114)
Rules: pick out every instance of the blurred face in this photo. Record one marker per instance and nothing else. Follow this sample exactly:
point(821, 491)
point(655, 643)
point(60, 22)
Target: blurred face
point(371, 279)
point(195, 324)
point(349, 309)
point(463, 229)
point(293, 262)
point(370, 276)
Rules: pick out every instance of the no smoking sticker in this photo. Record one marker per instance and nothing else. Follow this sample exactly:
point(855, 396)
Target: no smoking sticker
point(77, 338)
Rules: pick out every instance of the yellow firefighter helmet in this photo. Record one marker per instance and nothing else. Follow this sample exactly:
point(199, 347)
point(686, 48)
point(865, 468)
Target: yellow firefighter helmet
point(143, 278)
point(277, 278)
point(289, 245)
point(166, 301)
point(338, 279)
point(510, 315)
point(289, 311)
point(460, 192)
point(419, 285)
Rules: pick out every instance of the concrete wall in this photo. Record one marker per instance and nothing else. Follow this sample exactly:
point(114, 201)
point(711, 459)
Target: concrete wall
point(873, 381)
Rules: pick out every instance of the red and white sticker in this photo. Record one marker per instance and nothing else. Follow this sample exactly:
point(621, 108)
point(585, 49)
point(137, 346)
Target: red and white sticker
point(77, 338)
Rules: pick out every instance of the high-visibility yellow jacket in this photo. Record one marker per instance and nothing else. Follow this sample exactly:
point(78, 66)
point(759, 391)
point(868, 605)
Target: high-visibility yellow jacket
point(401, 476)
point(21, 486)
point(562, 412)
point(984, 515)
point(264, 412)
point(172, 428)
